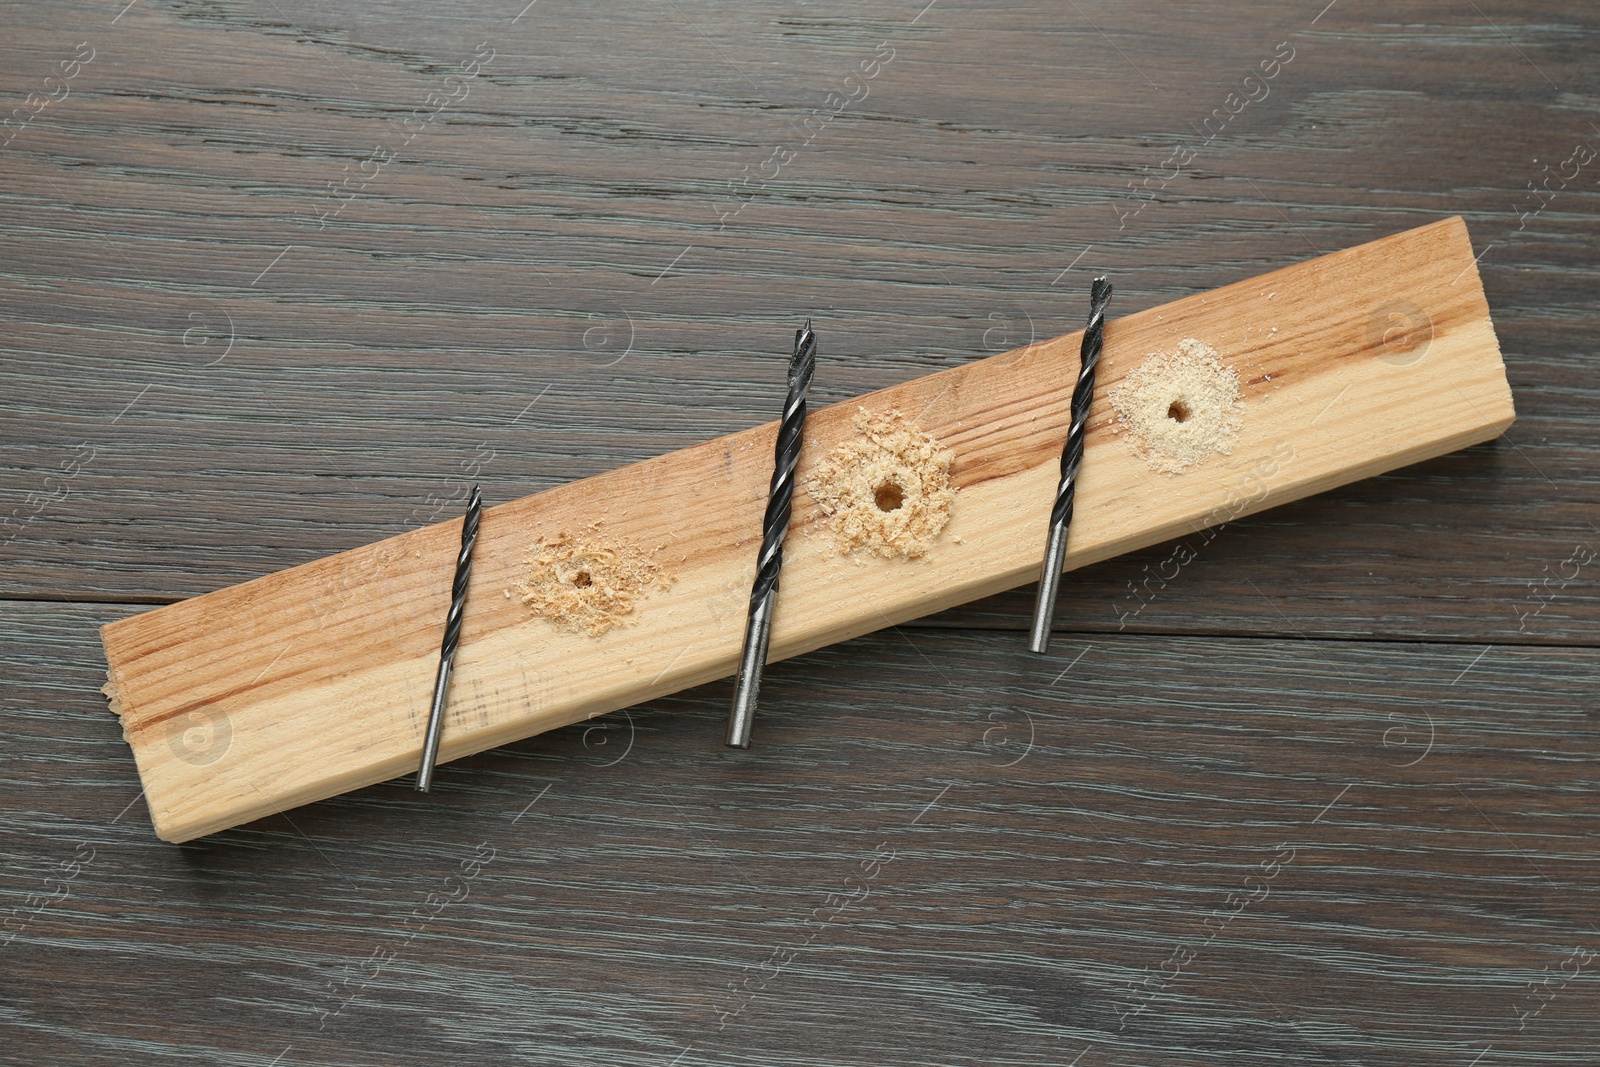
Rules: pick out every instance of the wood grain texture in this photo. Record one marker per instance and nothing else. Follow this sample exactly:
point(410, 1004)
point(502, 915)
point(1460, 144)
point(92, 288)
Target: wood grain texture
point(555, 238)
point(314, 681)
point(949, 850)
point(532, 224)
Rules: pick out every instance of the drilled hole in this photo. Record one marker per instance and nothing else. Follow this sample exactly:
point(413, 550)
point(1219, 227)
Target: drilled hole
point(889, 496)
point(581, 579)
point(1178, 411)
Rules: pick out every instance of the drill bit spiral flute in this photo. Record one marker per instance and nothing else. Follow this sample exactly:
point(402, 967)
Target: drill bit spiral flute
point(758, 628)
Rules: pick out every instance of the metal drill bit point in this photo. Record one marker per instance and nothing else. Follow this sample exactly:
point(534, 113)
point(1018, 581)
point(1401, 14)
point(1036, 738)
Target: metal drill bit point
point(758, 628)
point(1055, 551)
point(452, 638)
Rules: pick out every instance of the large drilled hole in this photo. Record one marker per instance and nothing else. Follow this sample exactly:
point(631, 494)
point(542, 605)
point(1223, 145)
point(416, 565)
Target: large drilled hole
point(581, 579)
point(1178, 411)
point(889, 496)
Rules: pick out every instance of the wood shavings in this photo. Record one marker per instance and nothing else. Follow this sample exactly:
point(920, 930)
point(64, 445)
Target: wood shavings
point(1179, 408)
point(888, 491)
point(591, 582)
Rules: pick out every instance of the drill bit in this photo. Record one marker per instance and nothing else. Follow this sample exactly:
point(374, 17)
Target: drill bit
point(452, 637)
point(1055, 552)
point(758, 627)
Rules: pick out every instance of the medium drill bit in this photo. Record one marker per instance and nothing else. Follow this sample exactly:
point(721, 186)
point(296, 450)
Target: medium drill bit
point(1055, 551)
point(758, 628)
point(452, 637)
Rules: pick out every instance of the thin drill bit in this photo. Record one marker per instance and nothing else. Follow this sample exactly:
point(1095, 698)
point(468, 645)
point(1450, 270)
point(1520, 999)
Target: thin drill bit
point(452, 638)
point(1055, 551)
point(758, 627)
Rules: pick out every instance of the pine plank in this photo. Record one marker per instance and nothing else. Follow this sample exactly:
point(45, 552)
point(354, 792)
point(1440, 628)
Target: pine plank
point(315, 680)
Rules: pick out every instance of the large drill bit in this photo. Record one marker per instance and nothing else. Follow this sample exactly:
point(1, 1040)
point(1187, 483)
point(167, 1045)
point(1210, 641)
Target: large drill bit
point(758, 627)
point(1055, 551)
point(452, 638)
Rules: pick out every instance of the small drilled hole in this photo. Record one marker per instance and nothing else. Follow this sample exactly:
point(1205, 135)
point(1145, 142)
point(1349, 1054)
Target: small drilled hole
point(1178, 411)
point(889, 496)
point(581, 579)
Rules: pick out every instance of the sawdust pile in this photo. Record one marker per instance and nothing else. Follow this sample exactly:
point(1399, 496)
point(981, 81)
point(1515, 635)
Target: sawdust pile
point(589, 583)
point(1179, 408)
point(887, 491)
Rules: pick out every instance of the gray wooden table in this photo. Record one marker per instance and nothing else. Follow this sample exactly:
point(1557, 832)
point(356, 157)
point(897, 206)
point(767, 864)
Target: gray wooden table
point(278, 279)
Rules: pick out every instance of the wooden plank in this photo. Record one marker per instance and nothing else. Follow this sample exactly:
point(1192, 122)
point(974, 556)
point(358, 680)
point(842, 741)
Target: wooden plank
point(315, 680)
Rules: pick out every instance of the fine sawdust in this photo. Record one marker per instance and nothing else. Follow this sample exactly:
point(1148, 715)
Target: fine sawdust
point(1179, 408)
point(590, 582)
point(888, 491)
